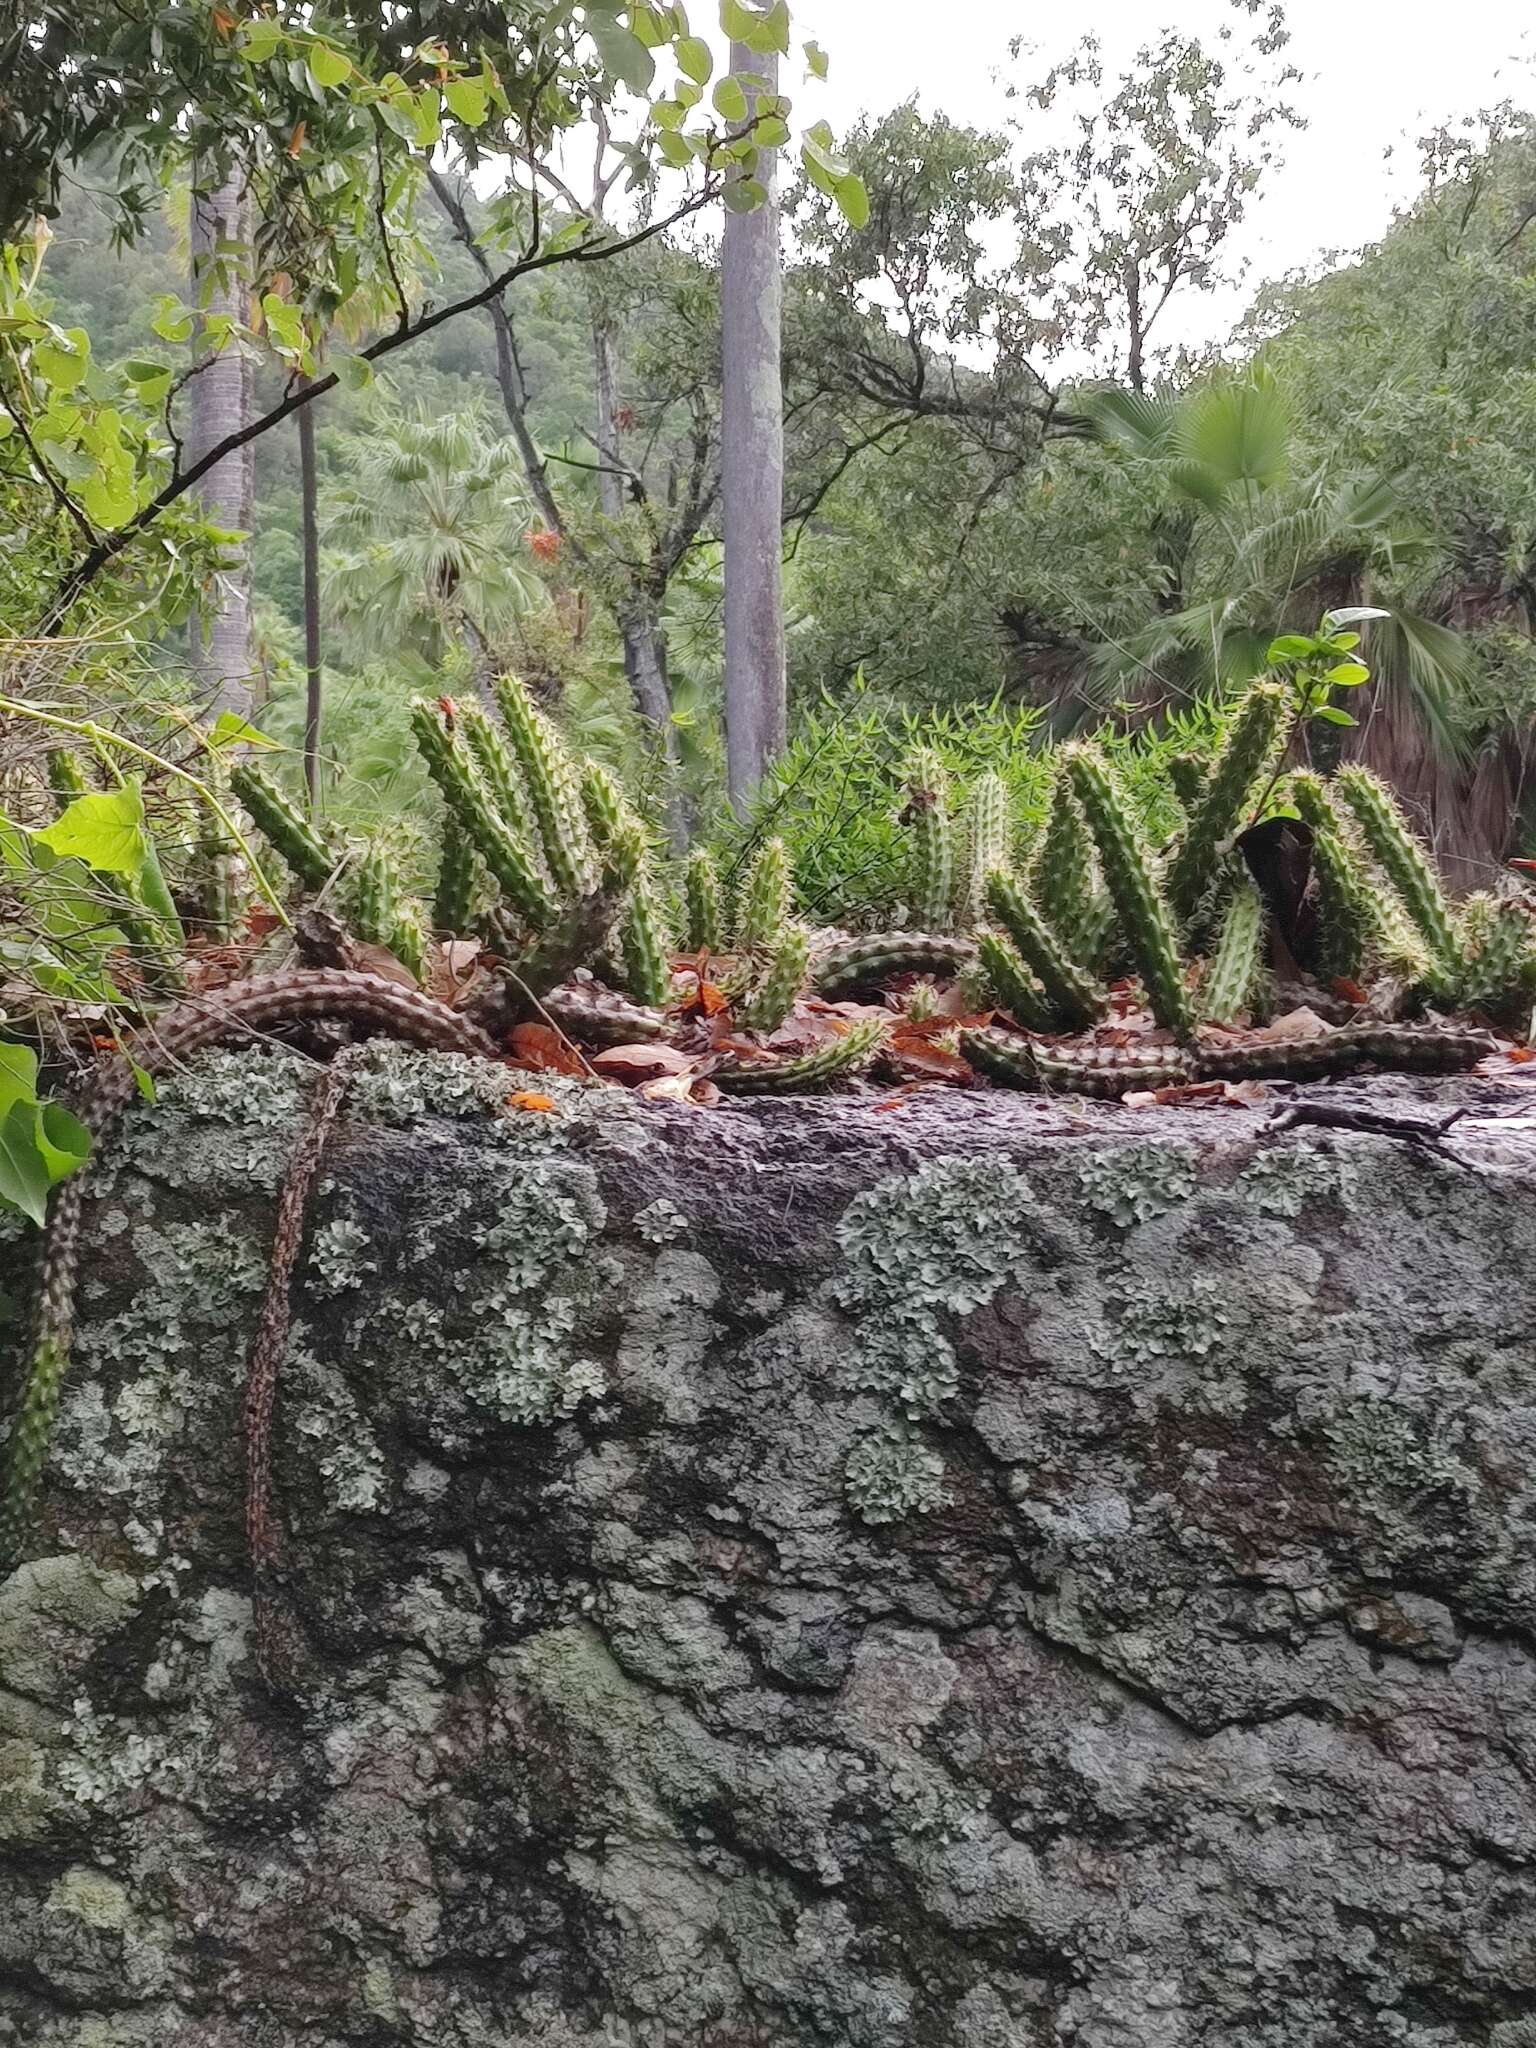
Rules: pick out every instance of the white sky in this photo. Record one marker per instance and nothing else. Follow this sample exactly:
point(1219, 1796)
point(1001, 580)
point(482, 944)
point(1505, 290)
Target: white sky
point(1374, 71)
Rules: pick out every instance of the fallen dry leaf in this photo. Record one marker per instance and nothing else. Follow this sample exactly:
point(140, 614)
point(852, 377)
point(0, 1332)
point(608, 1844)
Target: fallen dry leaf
point(1349, 991)
point(1299, 1023)
point(632, 1063)
point(526, 1098)
point(540, 1048)
point(693, 1089)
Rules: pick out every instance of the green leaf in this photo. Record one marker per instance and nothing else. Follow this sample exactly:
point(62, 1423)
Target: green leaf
point(695, 59)
point(285, 323)
point(18, 1075)
point(1341, 643)
point(624, 56)
point(729, 101)
point(63, 359)
point(769, 132)
point(104, 829)
point(467, 101)
point(1349, 674)
point(328, 66)
point(229, 729)
point(23, 1175)
point(1290, 647)
point(144, 1081)
point(816, 60)
point(110, 500)
point(1352, 614)
point(744, 195)
point(761, 31)
point(355, 373)
point(852, 200)
point(261, 40)
point(1332, 715)
point(62, 1140)
point(674, 149)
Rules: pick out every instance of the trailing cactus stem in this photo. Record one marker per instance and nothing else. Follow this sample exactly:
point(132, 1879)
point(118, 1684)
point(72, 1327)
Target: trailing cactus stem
point(705, 909)
point(494, 759)
point(553, 788)
point(1138, 902)
point(647, 970)
point(986, 845)
point(1075, 999)
point(1011, 985)
point(835, 1061)
point(772, 998)
point(1407, 866)
point(765, 899)
point(1001, 1057)
point(869, 963)
point(1061, 878)
point(453, 905)
point(1237, 966)
point(291, 836)
point(933, 840)
point(1257, 734)
point(506, 855)
point(593, 1016)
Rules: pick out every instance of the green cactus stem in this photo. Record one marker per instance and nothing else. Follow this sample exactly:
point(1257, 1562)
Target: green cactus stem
point(856, 965)
point(1010, 985)
point(290, 835)
point(1139, 904)
point(772, 996)
point(835, 1061)
point(1007, 1060)
point(554, 789)
point(1235, 975)
point(1075, 999)
point(604, 803)
point(643, 941)
point(1353, 918)
point(453, 903)
point(1257, 734)
point(764, 906)
point(1187, 774)
point(505, 854)
point(408, 936)
point(1498, 944)
point(494, 759)
point(933, 840)
point(594, 1016)
point(986, 845)
point(1061, 877)
point(704, 904)
point(1406, 864)
point(922, 1003)
point(214, 878)
point(372, 899)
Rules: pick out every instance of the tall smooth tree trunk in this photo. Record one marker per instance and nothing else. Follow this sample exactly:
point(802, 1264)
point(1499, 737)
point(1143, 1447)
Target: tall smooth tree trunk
point(220, 401)
point(752, 475)
point(309, 489)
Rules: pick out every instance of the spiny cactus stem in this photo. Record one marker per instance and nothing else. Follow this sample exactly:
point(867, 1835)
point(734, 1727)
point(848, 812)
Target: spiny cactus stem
point(1076, 999)
point(464, 791)
point(933, 840)
point(1257, 733)
point(869, 963)
point(1405, 861)
point(835, 1061)
point(552, 788)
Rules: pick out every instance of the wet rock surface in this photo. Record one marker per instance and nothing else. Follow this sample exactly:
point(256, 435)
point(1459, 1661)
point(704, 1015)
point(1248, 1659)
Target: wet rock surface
point(985, 1574)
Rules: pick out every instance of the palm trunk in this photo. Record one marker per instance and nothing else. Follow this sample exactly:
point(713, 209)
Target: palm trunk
point(752, 435)
point(220, 405)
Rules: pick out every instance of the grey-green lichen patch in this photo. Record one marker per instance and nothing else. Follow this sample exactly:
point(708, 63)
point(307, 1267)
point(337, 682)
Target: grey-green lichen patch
point(226, 1086)
point(338, 1258)
point(1131, 1184)
point(92, 1896)
point(1281, 1182)
point(320, 1408)
point(54, 1612)
point(1157, 1322)
point(661, 1221)
point(891, 1474)
point(396, 1084)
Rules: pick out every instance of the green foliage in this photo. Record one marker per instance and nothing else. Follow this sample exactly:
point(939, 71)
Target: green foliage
point(40, 1142)
point(1132, 883)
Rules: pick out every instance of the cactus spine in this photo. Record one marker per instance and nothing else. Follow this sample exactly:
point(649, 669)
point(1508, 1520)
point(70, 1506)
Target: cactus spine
point(1138, 901)
point(1236, 970)
point(291, 836)
point(764, 909)
point(1011, 985)
point(834, 1061)
point(1257, 734)
point(1001, 1057)
point(1076, 999)
point(933, 840)
point(1405, 863)
point(704, 907)
point(1498, 942)
point(453, 903)
point(552, 786)
point(494, 759)
point(1352, 919)
point(1061, 876)
point(986, 844)
point(643, 940)
point(374, 888)
point(464, 791)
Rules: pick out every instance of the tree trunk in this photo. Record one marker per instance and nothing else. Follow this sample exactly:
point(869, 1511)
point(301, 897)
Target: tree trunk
point(220, 396)
point(1134, 368)
point(309, 491)
point(752, 429)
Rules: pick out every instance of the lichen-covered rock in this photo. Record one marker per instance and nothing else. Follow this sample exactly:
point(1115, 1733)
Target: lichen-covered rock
point(996, 1574)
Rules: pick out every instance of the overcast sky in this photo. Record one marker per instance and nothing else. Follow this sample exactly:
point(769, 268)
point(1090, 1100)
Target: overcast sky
point(1373, 72)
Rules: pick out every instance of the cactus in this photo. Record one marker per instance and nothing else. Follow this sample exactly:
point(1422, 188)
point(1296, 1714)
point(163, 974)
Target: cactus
point(1406, 864)
point(643, 939)
point(453, 904)
point(1187, 774)
point(1353, 920)
point(553, 788)
point(372, 897)
point(1010, 985)
point(1061, 876)
point(494, 759)
point(1132, 884)
point(772, 997)
point(290, 835)
point(835, 1061)
point(214, 878)
point(1236, 970)
point(1074, 998)
point(1498, 945)
point(869, 963)
point(922, 1003)
point(506, 854)
point(1001, 1057)
point(593, 1016)
point(408, 936)
point(606, 807)
point(705, 909)
point(933, 839)
point(986, 844)
point(765, 899)
point(1258, 732)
